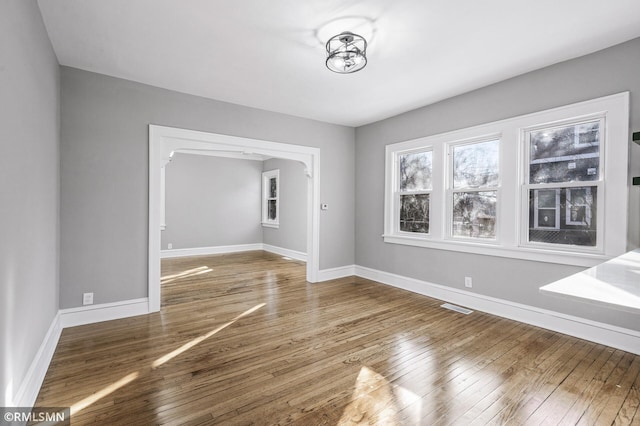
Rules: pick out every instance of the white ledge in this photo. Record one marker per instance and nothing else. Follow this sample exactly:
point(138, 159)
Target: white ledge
point(614, 284)
point(490, 248)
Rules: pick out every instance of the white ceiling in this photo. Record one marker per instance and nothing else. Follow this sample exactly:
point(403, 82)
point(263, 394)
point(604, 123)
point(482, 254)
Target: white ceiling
point(268, 55)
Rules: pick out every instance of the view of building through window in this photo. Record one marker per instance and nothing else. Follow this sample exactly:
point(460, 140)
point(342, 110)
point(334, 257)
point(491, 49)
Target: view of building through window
point(561, 209)
point(545, 185)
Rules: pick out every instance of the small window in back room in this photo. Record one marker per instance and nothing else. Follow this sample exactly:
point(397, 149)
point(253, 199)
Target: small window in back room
point(270, 198)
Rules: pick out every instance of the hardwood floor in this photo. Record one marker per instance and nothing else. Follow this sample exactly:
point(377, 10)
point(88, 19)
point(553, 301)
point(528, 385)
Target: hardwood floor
point(243, 339)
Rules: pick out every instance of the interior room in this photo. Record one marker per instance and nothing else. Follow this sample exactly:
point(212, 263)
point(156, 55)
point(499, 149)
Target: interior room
point(320, 212)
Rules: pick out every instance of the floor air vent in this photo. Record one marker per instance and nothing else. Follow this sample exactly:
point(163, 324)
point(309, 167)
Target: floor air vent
point(456, 308)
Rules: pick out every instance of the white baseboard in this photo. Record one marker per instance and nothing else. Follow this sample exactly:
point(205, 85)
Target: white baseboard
point(30, 387)
point(335, 273)
point(104, 312)
point(202, 251)
point(297, 255)
point(609, 335)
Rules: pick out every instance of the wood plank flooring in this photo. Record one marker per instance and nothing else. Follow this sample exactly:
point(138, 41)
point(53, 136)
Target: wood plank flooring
point(243, 339)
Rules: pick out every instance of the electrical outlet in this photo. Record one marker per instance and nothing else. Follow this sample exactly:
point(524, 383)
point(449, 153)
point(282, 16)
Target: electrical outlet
point(468, 282)
point(170, 246)
point(87, 298)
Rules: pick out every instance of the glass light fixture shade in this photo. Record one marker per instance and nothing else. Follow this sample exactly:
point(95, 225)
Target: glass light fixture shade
point(346, 53)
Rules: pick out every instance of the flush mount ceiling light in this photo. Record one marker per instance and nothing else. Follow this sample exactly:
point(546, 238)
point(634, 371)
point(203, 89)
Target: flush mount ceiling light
point(346, 53)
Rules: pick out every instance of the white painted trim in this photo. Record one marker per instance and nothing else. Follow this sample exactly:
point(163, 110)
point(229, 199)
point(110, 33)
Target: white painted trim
point(297, 255)
point(203, 251)
point(513, 206)
point(163, 193)
point(82, 315)
point(156, 163)
point(234, 155)
point(30, 387)
point(335, 273)
point(165, 140)
point(266, 190)
point(313, 220)
point(558, 256)
point(616, 337)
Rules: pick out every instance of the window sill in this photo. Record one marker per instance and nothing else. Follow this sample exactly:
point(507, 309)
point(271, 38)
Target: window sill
point(493, 249)
point(270, 225)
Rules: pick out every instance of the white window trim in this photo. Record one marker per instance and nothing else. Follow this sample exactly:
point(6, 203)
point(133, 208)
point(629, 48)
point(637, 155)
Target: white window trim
point(266, 177)
point(513, 199)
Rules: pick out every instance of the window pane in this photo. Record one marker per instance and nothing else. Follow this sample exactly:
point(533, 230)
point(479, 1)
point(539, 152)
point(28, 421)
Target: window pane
point(415, 171)
point(414, 213)
point(475, 165)
point(273, 187)
point(571, 220)
point(547, 218)
point(579, 202)
point(547, 198)
point(565, 154)
point(474, 214)
point(272, 212)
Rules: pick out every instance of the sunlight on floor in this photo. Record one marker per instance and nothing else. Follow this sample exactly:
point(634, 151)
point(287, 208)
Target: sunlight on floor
point(80, 405)
point(84, 403)
point(185, 274)
point(613, 284)
point(199, 339)
point(376, 401)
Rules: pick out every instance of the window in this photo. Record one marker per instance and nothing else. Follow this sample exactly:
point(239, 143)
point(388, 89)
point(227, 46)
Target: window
point(270, 198)
point(549, 186)
point(414, 190)
point(546, 209)
point(474, 192)
point(579, 206)
point(561, 159)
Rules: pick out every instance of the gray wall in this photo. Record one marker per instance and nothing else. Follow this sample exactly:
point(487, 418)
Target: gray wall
point(29, 189)
point(292, 232)
point(205, 194)
point(104, 176)
point(212, 201)
point(603, 73)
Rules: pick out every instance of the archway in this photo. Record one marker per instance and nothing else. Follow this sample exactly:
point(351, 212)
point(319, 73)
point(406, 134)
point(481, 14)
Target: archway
point(163, 141)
